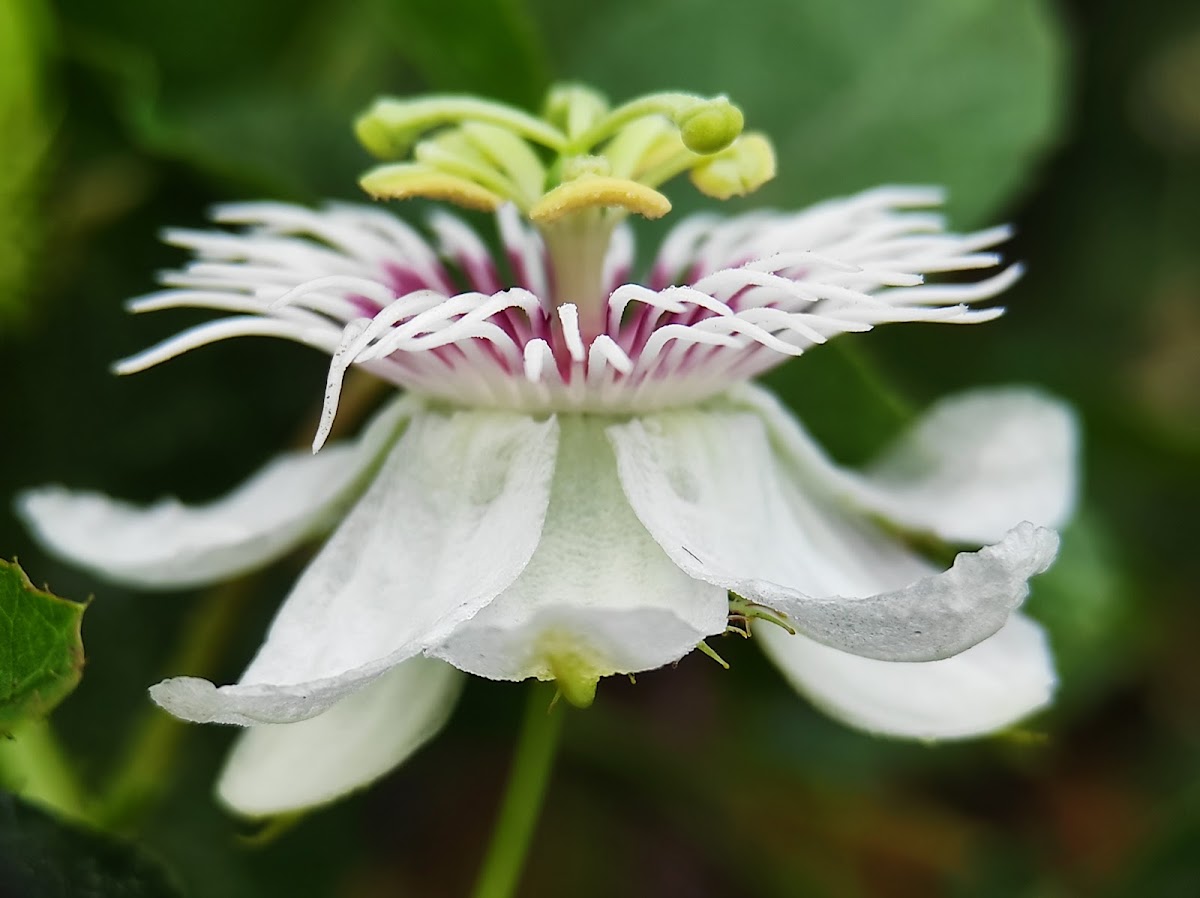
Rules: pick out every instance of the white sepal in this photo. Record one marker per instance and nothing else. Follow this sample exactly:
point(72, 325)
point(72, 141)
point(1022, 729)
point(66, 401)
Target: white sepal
point(971, 468)
point(599, 596)
point(172, 545)
point(451, 520)
point(710, 488)
point(282, 768)
point(990, 686)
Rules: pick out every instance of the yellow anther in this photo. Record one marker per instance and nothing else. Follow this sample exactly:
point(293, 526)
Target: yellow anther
point(405, 181)
point(741, 169)
point(590, 191)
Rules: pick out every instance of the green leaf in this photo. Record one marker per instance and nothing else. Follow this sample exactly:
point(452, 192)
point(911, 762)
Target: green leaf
point(965, 93)
point(264, 102)
point(1086, 602)
point(41, 653)
point(281, 130)
point(856, 410)
point(482, 46)
point(26, 121)
point(41, 857)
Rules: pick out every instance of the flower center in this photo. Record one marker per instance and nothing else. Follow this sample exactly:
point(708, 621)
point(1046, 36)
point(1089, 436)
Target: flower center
point(574, 172)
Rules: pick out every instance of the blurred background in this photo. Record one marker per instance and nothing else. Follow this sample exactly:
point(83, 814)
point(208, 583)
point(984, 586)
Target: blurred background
point(1078, 121)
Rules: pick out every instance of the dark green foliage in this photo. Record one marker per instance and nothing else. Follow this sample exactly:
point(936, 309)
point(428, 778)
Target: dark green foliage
point(41, 653)
point(42, 857)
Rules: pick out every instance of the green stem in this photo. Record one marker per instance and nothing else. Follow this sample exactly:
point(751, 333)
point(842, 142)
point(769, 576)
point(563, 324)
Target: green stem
point(518, 816)
point(34, 766)
point(146, 764)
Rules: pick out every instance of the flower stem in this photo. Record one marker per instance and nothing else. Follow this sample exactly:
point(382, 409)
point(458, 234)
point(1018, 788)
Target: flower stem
point(532, 763)
point(34, 766)
point(145, 768)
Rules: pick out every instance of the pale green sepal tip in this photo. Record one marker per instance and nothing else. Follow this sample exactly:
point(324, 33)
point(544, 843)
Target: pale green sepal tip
point(575, 678)
point(710, 127)
point(707, 649)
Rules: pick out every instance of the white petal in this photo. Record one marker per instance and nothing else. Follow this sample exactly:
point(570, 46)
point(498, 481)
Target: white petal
point(451, 520)
point(988, 687)
point(972, 468)
point(599, 596)
point(278, 768)
point(709, 488)
point(171, 545)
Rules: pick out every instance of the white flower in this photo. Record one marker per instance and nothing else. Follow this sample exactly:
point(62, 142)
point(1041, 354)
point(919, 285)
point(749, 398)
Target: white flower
point(580, 475)
point(568, 495)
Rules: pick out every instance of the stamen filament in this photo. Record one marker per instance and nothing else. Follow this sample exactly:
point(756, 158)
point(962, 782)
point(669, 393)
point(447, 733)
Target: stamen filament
point(674, 106)
point(390, 127)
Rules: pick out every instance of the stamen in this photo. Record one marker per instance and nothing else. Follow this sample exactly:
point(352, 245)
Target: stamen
point(590, 191)
point(682, 109)
point(390, 126)
point(407, 180)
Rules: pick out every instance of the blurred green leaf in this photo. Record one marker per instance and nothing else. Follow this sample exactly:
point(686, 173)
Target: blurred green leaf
point(26, 121)
point(264, 104)
point(280, 127)
point(42, 654)
point(823, 385)
point(1085, 602)
point(41, 857)
point(481, 46)
point(965, 94)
